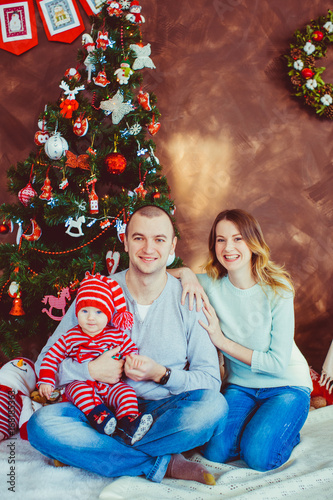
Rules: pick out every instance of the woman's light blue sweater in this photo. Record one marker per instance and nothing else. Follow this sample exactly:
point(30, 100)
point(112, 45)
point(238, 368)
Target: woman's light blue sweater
point(264, 322)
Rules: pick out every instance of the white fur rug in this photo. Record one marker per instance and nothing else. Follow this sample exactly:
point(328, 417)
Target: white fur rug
point(308, 475)
point(36, 478)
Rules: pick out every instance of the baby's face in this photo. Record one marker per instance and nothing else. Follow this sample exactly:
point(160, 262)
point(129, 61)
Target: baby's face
point(92, 320)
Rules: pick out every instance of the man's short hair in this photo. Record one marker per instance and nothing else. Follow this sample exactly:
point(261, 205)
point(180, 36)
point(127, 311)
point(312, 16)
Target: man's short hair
point(151, 211)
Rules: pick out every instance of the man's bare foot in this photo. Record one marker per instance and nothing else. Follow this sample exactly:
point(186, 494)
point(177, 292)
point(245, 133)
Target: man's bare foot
point(180, 468)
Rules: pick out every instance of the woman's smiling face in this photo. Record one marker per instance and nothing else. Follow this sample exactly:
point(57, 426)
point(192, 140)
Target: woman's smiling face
point(230, 248)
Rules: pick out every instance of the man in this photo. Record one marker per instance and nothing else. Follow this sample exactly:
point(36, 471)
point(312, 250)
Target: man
point(178, 381)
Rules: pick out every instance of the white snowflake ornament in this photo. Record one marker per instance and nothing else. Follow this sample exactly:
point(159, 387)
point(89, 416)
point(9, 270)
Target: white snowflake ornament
point(125, 4)
point(117, 107)
point(142, 57)
point(135, 129)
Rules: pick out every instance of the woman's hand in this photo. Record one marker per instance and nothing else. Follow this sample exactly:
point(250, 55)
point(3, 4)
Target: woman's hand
point(213, 328)
point(191, 286)
point(218, 338)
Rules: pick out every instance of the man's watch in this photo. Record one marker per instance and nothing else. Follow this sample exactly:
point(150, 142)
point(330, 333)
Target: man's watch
point(165, 377)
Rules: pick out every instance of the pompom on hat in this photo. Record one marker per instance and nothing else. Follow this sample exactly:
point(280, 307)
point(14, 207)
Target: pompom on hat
point(104, 294)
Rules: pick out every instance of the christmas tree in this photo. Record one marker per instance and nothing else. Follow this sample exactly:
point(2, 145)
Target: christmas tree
point(92, 164)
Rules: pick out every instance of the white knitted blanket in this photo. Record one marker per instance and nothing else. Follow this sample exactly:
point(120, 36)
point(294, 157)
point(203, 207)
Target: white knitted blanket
point(327, 371)
point(307, 475)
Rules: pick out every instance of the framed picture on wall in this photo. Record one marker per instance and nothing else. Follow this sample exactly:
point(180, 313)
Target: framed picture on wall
point(15, 22)
point(60, 15)
point(92, 7)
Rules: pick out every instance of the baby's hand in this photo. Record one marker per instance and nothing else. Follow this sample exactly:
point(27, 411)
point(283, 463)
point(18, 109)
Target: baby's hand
point(134, 361)
point(45, 390)
point(139, 367)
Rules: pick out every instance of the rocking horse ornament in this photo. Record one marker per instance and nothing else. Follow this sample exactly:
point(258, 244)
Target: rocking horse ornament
point(56, 303)
point(74, 226)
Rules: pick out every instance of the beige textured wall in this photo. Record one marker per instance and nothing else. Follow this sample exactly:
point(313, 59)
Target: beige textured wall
point(232, 135)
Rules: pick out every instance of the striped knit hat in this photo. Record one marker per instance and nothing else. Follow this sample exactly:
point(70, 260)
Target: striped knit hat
point(104, 294)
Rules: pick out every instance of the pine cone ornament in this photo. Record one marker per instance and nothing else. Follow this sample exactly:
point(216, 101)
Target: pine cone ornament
point(329, 112)
point(327, 89)
point(295, 80)
point(310, 61)
point(296, 53)
point(310, 100)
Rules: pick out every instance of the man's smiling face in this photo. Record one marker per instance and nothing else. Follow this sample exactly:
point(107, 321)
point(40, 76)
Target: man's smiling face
point(149, 242)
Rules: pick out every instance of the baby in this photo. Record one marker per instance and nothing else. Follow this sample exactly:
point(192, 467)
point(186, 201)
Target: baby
point(97, 299)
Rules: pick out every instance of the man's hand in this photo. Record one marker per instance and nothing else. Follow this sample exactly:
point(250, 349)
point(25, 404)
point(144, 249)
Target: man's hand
point(139, 368)
point(105, 368)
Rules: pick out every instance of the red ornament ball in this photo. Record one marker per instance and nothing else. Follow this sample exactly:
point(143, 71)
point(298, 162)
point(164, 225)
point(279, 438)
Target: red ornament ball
point(41, 136)
point(26, 194)
point(318, 35)
point(4, 228)
point(115, 163)
point(307, 73)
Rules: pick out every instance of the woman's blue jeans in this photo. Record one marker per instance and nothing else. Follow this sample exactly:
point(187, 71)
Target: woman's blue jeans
point(181, 423)
point(263, 425)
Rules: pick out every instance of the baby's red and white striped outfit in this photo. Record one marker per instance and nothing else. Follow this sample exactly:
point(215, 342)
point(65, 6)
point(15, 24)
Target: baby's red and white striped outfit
point(86, 395)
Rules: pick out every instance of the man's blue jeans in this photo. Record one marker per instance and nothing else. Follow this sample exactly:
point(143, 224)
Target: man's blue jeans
point(262, 427)
point(181, 423)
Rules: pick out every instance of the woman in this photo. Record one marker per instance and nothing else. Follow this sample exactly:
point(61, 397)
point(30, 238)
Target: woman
point(251, 320)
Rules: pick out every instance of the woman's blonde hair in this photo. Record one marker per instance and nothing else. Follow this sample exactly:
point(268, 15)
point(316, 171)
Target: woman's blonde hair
point(264, 270)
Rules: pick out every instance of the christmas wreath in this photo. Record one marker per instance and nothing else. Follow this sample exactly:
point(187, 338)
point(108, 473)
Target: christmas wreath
point(311, 44)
